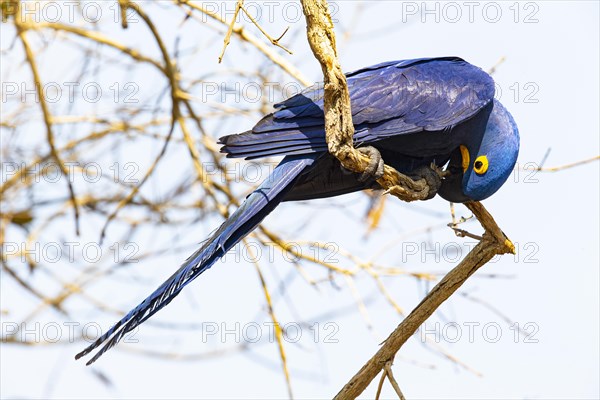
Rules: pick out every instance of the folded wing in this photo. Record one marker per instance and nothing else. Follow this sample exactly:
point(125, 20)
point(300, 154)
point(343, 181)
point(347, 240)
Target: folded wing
point(388, 99)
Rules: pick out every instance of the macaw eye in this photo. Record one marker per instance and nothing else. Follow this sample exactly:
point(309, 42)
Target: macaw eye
point(481, 165)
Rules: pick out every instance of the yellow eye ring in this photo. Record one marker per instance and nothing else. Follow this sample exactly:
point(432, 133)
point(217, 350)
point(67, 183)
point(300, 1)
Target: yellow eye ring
point(481, 164)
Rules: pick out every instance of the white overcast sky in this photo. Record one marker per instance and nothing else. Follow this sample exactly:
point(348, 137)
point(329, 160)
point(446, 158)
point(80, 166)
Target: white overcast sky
point(550, 83)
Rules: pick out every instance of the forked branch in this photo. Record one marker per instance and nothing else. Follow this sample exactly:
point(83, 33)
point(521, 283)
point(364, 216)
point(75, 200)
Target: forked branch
point(494, 242)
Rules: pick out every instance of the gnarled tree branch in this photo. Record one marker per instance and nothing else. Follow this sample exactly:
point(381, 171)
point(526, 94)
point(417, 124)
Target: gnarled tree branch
point(339, 129)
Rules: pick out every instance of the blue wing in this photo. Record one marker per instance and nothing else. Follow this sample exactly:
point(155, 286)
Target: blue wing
point(388, 99)
point(254, 209)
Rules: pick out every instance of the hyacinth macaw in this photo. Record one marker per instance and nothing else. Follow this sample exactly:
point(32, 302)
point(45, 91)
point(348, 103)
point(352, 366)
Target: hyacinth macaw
point(410, 114)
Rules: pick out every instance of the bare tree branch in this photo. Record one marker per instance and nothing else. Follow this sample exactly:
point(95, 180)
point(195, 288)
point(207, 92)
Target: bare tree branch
point(494, 242)
point(339, 129)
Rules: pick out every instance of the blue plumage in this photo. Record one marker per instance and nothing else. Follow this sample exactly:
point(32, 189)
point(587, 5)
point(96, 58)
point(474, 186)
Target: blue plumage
point(414, 112)
point(391, 99)
point(253, 210)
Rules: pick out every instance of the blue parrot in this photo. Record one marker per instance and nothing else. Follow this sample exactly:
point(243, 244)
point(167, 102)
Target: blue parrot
point(413, 114)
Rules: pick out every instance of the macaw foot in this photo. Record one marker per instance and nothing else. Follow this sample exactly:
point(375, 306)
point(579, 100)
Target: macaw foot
point(374, 170)
point(432, 175)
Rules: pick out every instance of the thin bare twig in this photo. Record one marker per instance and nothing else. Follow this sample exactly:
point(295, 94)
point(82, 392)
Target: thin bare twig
point(277, 59)
point(240, 6)
point(271, 39)
point(177, 118)
point(123, 6)
point(464, 233)
point(390, 376)
point(380, 385)
point(227, 39)
point(276, 325)
point(387, 373)
point(21, 29)
point(566, 166)
point(170, 72)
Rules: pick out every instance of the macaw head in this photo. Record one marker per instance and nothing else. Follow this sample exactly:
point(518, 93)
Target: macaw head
point(477, 170)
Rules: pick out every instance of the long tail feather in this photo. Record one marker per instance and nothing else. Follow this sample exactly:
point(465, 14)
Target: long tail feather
point(254, 209)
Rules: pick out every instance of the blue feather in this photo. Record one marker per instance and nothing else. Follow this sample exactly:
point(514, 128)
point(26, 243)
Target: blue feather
point(252, 211)
point(388, 99)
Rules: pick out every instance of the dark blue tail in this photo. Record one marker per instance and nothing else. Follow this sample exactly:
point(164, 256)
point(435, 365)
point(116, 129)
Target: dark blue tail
point(252, 211)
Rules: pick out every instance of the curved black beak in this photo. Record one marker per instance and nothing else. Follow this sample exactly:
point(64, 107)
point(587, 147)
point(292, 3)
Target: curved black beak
point(452, 185)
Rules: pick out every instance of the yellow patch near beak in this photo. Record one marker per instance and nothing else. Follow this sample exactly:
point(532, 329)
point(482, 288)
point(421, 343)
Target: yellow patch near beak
point(466, 159)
